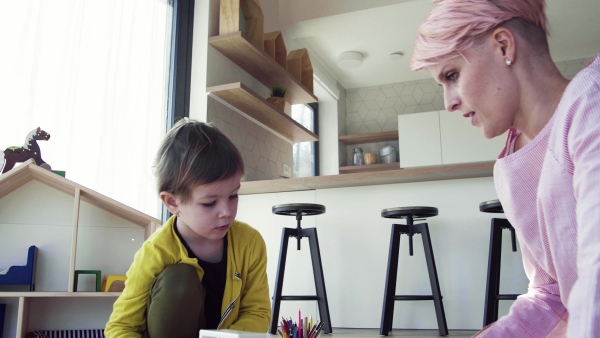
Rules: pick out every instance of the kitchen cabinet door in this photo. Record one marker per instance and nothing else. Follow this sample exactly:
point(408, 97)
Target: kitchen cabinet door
point(419, 139)
point(463, 143)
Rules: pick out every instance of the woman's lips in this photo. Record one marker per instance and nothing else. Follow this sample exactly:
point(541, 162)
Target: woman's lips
point(223, 227)
point(471, 115)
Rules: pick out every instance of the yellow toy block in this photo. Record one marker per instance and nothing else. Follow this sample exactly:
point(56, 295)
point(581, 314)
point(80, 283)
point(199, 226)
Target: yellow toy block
point(107, 283)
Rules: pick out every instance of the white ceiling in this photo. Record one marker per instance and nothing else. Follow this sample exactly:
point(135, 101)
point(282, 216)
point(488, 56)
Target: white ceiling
point(377, 28)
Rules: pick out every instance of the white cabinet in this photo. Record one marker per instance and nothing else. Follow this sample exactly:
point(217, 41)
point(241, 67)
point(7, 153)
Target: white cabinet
point(463, 143)
point(419, 139)
point(442, 137)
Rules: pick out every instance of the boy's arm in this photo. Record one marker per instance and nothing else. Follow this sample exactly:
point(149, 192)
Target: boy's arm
point(255, 305)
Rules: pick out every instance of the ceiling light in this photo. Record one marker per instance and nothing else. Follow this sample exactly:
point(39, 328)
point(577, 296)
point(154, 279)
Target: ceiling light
point(349, 60)
point(396, 55)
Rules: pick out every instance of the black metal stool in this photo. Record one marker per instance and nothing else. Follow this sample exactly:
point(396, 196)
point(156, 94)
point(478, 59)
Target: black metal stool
point(411, 214)
point(299, 210)
point(492, 289)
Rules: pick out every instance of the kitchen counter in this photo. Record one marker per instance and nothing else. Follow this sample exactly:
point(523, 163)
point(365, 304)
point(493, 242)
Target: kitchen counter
point(400, 175)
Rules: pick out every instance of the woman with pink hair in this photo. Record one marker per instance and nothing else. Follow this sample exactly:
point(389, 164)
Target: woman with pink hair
point(492, 58)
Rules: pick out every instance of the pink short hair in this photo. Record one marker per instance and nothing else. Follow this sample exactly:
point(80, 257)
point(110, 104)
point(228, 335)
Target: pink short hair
point(453, 25)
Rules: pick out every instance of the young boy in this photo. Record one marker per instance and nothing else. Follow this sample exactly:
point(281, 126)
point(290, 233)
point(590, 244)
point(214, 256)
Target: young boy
point(202, 269)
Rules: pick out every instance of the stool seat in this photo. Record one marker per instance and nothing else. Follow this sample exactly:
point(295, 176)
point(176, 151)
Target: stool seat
point(493, 206)
point(305, 209)
point(406, 212)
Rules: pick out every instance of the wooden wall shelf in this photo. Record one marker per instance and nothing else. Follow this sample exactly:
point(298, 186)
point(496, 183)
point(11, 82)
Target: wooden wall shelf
point(242, 99)
point(261, 66)
point(421, 174)
point(382, 136)
point(369, 168)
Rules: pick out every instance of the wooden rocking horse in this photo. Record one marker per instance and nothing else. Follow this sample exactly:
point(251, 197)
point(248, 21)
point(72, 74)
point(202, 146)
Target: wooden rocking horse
point(30, 149)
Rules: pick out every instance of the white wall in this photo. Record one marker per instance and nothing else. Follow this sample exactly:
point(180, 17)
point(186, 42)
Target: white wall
point(354, 242)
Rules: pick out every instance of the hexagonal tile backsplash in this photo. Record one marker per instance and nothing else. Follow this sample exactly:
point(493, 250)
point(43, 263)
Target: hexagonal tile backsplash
point(264, 153)
point(376, 108)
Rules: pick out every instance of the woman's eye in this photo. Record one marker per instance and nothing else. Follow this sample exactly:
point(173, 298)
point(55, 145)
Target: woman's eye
point(452, 76)
point(232, 197)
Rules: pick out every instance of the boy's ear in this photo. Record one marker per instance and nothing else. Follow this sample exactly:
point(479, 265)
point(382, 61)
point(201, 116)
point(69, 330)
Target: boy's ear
point(504, 43)
point(170, 202)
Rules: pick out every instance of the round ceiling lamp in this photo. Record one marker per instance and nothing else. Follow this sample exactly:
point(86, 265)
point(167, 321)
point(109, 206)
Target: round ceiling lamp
point(349, 60)
point(396, 55)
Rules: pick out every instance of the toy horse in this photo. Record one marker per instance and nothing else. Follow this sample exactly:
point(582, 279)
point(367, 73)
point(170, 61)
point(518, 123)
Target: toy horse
point(30, 149)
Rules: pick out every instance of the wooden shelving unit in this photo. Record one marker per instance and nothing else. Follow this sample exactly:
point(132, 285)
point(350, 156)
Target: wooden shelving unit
point(261, 66)
point(251, 105)
point(382, 136)
point(369, 168)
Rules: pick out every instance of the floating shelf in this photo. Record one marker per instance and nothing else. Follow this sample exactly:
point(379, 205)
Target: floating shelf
point(261, 66)
point(251, 105)
point(382, 136)
point(369, 168)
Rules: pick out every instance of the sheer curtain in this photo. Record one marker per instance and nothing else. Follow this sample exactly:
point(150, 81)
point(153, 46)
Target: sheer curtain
point(93, 74)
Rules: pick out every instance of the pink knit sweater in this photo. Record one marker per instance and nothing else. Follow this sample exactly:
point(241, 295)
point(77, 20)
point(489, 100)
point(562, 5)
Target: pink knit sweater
point(550, 192)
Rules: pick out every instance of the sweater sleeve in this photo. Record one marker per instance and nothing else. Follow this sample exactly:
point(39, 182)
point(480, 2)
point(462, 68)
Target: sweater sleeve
point(128, 318)
point(584, 149)
point(538, 313)
point(255, 306)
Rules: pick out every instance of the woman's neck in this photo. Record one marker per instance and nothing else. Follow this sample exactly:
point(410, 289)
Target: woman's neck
point(542, 88)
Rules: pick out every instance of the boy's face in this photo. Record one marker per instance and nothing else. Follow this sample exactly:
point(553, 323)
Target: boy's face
point(209, 212)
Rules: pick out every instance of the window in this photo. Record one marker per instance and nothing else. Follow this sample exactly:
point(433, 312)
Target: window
point(93, 74)
point(305, 154)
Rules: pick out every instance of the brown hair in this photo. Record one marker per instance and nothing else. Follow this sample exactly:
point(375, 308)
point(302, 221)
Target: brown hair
point(194, 153)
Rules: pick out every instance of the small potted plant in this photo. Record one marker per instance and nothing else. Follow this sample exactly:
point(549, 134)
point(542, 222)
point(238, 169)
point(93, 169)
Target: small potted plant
point(277, 97)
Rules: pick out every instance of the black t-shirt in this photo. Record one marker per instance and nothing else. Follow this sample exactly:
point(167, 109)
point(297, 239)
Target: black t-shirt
point(213, 282)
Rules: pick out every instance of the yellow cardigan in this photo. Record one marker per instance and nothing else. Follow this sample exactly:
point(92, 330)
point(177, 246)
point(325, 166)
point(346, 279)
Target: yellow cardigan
point(246, 304)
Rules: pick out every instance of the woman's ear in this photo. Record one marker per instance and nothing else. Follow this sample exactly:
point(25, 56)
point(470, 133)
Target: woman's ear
point(170, 201)
point(504, 44)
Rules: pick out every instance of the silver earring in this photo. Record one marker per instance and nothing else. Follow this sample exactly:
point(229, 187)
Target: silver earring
point(508, 62)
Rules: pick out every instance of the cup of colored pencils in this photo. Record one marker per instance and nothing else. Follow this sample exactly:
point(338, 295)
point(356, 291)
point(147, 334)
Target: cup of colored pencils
point(304, 328)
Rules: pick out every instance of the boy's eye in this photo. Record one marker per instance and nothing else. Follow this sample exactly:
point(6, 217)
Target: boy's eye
point(209, 204)
point(232, 197)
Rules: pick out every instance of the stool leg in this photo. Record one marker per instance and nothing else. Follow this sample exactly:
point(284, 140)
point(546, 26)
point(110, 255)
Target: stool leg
point(285, 235)
point(492, 289)
point(390, 282)
point(433, 279)
point(315, 254)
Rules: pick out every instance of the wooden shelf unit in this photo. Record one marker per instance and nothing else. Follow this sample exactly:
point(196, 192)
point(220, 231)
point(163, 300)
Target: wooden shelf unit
point(369, 168)
point(29, 171)
point(251, 105)
point(382, 136)
point(261, 66)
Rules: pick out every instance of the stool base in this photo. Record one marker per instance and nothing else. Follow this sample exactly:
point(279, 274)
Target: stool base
point(392, 274)
point(492, 290)
point(315, 254)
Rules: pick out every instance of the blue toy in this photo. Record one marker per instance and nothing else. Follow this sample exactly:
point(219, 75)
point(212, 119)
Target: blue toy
point(22, 275)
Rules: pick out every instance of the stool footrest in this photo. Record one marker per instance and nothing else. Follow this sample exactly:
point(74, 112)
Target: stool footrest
point(506, 297)
point(299, 298)
point(413, 297)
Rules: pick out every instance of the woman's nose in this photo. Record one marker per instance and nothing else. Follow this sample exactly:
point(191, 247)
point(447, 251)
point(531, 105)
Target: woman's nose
point(451, 101)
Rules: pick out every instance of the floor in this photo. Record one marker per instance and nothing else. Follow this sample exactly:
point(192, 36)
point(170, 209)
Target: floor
point(369, 333)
